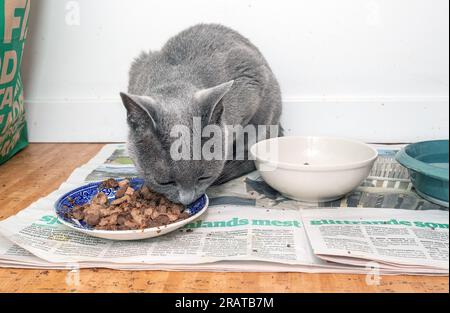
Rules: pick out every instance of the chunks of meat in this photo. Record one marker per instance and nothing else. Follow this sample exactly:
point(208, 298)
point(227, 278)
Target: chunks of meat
point(131, 209)
point(123, 199)
point(78, 213)
point(92, 218)
point(109, 183)
point(100, 199)
point(120, 193)
point(124, 183)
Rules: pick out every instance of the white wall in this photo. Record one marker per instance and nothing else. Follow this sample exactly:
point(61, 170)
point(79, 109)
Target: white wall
point(376, 70)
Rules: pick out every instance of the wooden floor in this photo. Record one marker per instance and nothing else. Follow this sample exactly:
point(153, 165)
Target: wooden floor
point(41, 168)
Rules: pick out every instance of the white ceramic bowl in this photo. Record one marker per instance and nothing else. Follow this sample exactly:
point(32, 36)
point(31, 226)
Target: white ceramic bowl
point(313, 169)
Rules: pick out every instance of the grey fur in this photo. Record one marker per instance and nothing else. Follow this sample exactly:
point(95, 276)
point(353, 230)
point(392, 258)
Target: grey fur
point(207, 71)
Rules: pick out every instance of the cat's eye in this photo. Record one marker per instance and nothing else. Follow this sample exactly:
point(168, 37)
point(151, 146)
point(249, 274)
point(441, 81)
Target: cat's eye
point(167, 183)
point(204, 178)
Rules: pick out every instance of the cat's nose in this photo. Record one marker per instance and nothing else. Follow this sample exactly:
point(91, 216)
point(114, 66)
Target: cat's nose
point(186, 196)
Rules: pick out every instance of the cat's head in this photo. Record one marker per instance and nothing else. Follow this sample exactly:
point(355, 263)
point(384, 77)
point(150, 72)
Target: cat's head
point(157, 138)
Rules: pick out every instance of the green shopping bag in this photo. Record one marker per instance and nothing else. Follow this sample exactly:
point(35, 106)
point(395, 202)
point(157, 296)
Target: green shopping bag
point(13, 30)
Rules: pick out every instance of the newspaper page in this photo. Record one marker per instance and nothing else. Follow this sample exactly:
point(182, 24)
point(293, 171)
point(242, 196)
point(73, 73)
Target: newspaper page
point(396, 238)
point(34, 238)
point(221, 234)
point(226, 238)
point(388, 185)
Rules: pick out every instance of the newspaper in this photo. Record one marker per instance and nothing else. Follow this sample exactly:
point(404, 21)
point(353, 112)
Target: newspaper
point(388, 185)
point(414, 239)
point(248, 227)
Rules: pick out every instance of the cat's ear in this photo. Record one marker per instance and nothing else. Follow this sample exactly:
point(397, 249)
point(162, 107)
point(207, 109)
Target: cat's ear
point(140, 110)
point(210, 98)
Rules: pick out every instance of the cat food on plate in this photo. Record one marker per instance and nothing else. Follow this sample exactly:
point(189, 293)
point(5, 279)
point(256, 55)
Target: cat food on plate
point(130, 210)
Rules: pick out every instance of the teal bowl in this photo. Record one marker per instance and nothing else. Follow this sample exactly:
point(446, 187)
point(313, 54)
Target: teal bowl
point(427, 163)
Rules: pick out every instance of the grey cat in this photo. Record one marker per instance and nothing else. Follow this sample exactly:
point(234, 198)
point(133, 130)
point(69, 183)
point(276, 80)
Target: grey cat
point(207, 71)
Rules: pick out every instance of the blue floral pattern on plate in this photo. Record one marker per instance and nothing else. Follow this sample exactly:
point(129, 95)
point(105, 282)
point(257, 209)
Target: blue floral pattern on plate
point(84, 194)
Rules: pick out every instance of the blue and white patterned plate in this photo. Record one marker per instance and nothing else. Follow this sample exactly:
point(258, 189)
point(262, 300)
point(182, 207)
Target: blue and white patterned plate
point(84, 194)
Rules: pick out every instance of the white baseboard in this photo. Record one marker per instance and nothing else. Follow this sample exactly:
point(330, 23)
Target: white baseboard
point(371, 119)
point(76, 120)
